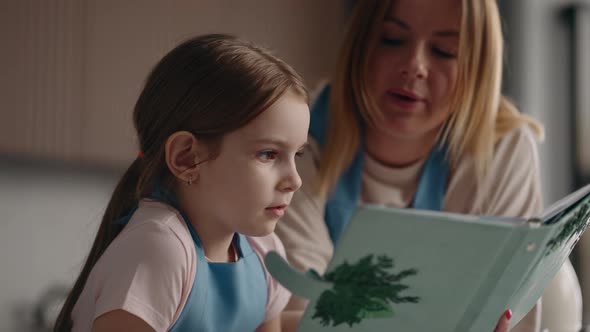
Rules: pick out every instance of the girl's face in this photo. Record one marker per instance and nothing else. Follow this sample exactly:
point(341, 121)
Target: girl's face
point(413, 67)
point(247, 188)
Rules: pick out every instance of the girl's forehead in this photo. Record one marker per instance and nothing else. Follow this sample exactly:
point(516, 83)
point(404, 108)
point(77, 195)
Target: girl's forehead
point(286, 120)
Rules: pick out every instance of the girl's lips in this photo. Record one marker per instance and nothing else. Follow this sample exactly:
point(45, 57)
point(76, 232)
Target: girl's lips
point(277, 211)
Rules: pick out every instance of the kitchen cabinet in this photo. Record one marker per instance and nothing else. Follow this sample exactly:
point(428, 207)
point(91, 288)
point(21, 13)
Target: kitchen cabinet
point(74, 68)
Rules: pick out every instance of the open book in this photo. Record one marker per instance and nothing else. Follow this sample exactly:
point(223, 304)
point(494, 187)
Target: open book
point(414, 270)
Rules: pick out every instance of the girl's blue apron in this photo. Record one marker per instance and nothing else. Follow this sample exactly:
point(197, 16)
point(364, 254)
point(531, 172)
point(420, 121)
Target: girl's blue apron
point(345, 196)
point(229, 297)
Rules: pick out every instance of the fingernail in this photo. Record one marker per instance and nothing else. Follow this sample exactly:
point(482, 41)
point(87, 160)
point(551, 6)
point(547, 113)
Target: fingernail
point(508, 314)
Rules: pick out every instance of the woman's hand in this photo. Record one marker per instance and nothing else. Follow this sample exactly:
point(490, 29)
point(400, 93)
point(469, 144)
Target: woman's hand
point(502, 325)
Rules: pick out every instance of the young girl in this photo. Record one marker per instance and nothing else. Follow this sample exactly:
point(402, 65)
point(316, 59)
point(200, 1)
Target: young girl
point(180, 246)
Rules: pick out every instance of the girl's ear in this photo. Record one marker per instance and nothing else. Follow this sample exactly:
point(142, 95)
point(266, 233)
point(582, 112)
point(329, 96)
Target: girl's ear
point(182, 155)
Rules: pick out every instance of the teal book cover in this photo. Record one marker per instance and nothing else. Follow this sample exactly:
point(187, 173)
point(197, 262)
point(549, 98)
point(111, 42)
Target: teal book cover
point(413, 270)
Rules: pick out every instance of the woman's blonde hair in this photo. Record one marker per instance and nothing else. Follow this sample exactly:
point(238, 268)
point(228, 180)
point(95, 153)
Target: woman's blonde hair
point(480, 114)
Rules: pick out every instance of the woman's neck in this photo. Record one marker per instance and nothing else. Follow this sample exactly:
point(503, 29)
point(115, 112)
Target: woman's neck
point(398, 151)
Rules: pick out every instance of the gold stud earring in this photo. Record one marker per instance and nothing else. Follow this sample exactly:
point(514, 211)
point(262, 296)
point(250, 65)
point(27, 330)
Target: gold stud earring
point(189, 181)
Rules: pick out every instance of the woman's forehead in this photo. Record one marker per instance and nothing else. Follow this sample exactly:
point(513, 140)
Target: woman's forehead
point(435, 15)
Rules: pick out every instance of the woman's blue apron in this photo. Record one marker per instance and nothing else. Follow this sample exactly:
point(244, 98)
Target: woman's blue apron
point(345, 196)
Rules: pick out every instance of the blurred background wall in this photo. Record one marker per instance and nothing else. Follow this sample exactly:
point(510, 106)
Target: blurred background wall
point(72, 70)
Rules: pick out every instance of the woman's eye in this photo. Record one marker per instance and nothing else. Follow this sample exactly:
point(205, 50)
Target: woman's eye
point(392, 41)
point(444, 54)
point(299, 153)
point(267, 155)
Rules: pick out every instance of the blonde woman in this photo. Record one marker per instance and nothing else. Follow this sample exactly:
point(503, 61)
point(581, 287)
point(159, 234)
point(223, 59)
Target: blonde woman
point(414, 117)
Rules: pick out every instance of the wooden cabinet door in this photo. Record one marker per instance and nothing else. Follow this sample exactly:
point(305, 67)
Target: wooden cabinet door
point(79, 65)
point(41, 90)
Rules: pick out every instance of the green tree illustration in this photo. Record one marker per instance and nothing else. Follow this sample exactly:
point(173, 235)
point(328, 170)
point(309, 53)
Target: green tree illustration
point(362, 290)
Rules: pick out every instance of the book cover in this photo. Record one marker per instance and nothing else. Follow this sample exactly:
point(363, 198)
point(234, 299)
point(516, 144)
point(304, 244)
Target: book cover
point(415, 270)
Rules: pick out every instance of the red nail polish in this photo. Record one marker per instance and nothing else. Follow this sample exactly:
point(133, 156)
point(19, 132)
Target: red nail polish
point(508, 314)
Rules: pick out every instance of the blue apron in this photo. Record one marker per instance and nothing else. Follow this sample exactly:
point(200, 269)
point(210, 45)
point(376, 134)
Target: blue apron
point(229, 297)
point(345, 196)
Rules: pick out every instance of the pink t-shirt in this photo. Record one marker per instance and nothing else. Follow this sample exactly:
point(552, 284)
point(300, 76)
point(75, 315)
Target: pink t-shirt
point(149, 270)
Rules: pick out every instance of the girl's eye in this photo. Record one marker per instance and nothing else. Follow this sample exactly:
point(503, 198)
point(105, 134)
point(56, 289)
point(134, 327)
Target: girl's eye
point(392, 41)
point(267, 155)
point(299, 153)
point(443, 54)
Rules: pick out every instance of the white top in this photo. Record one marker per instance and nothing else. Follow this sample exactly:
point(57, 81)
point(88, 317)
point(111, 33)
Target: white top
point(149, 270)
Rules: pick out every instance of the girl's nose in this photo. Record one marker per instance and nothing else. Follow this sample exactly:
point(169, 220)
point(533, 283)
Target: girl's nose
point(291, 180)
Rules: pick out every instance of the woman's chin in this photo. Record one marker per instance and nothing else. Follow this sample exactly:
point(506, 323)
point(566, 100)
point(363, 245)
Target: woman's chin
point(401, 128)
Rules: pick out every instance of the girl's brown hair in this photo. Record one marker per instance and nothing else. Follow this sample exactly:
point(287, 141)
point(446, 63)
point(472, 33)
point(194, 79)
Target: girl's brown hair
point(209, 85)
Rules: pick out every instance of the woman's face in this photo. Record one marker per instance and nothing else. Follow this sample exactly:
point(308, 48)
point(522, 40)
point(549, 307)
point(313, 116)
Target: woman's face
point(413, 68)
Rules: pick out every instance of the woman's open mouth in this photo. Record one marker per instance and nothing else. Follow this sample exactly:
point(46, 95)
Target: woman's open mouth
point(404, 99)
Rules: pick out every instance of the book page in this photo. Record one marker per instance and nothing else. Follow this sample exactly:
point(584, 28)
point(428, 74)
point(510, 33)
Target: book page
point(562, 206)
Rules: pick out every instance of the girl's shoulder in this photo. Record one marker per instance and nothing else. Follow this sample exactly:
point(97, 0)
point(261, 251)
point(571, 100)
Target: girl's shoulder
point(157, 239)
point(160, 237)
point(154, 249)
point(160, 225)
